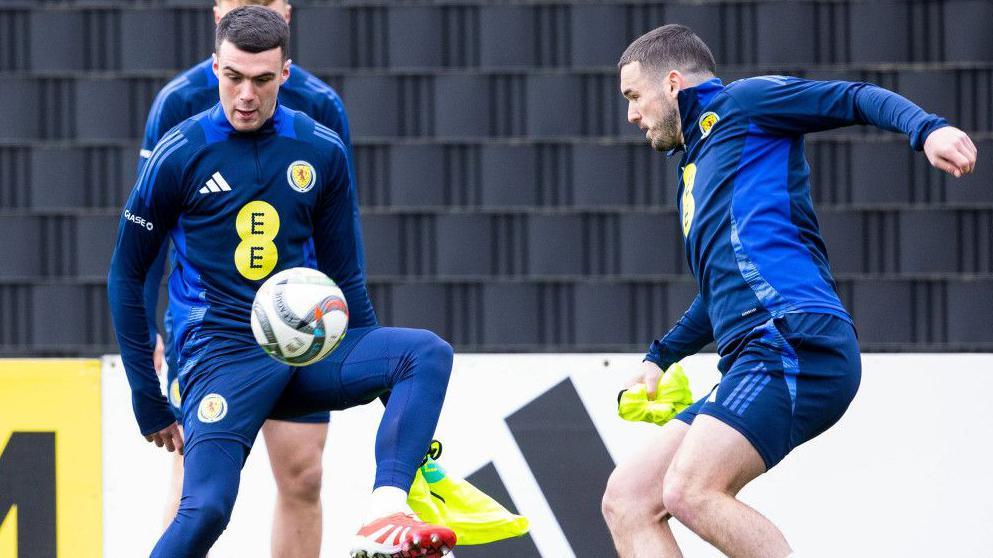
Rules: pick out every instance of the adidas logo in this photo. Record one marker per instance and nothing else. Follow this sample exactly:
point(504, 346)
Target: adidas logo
point(216, 184)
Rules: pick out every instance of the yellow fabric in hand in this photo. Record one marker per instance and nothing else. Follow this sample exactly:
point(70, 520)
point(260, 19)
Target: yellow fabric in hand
point(673, 395)
point(443, 499)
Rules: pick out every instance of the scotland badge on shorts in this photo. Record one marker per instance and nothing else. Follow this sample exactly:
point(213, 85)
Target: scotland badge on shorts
point(213, 407)
point(301, 176)
point(174, 398)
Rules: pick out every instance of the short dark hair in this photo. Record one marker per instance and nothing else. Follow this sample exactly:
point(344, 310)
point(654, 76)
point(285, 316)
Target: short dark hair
point(670, 47)
point(253, 29)
point(246, 2)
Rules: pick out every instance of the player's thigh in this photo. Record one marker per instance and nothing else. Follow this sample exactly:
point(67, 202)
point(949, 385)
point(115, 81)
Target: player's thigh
point(295, 449)
point(639, 478)
point(229, 391)
point(365, 366)
point(714, 456)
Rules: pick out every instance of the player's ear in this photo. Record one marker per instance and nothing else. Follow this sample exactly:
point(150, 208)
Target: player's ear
point(288, 13)
point(285, 74)
point(215, 66)
point(217, 14)
point(673, 82)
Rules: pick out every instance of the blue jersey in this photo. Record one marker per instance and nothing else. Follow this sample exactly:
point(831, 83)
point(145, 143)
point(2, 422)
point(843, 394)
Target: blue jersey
point(750, 234)
point(237, 207)
point(195, 91)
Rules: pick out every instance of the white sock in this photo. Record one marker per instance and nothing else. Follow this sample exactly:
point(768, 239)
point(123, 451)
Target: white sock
point(387, 500)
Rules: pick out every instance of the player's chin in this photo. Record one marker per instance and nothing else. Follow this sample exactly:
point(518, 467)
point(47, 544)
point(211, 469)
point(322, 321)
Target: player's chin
point(246, 125)
point(660, 145)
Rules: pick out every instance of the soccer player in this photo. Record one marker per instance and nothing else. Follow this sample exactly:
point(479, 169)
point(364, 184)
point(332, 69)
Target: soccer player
point(228, 239)
point(790, 360)
point(296, 445)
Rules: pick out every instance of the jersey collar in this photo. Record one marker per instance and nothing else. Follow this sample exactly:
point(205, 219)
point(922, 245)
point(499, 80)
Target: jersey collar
point(692, 101)
point(207, 67)
point(276, 123)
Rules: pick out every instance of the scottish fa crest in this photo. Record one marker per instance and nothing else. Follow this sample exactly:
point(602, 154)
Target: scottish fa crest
point(213, 407)
point(301, 176)
point(707, 121)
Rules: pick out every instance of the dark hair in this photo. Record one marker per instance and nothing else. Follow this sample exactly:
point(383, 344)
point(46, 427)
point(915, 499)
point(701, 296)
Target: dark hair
point(670, 47)
point(246, 2)
point(253, 29)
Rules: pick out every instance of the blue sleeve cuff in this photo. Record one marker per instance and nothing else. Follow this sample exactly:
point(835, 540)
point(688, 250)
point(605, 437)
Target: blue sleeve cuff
point(655, 354)
point(918, 137)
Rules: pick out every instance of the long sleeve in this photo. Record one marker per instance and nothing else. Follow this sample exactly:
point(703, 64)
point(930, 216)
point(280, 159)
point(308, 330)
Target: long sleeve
point(794, 106)
point(337, 244)
point(691, 333)
point(150, 212)
point(166, 112)
point(153, 282)
point(336, 119)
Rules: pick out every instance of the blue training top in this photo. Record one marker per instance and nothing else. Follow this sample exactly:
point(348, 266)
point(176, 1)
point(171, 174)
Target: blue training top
point(238, 207)
point(751, 237)
point(195, 91)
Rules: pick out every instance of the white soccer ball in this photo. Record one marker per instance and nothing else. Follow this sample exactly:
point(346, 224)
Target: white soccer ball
point(299, 316)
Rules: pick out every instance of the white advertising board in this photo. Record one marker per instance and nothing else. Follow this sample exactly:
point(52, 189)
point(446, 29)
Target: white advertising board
point(907, 471)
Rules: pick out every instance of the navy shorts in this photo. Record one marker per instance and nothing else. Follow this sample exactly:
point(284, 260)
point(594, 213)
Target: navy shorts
point(231, 387)
point(174, 390)
point(785, 382)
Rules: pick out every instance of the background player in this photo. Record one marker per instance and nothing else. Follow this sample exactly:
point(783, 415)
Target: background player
point(790, 360)
point(228, 385)
point(295, 446)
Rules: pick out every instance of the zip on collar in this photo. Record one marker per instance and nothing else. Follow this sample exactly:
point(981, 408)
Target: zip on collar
point(221, 124)
point(692, 101)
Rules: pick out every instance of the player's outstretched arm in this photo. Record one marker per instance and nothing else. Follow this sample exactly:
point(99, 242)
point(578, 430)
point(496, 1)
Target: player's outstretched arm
point(951, 150)
point(795, 106)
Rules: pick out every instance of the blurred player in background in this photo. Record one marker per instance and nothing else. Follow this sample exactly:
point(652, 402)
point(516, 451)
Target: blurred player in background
point(790, 360)
point(296, 445)
point(247, 142)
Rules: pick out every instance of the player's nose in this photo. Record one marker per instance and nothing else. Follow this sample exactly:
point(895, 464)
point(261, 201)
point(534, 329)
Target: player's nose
point(633, 116)
point(246, 92)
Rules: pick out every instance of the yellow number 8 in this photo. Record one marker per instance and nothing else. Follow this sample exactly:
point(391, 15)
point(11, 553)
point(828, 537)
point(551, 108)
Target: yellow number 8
point(689, 204)
point(256, 255)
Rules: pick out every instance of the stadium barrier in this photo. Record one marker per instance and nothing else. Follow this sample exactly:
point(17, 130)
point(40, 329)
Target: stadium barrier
point(905, 473)
point(50, 459)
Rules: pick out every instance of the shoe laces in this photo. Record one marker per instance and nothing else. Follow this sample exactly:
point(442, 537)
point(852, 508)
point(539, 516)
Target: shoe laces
point(434, 452)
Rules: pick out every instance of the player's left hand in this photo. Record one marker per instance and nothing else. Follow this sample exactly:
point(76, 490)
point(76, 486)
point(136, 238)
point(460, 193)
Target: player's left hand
point(170, 437)
point(648, 374)
point(951, 150)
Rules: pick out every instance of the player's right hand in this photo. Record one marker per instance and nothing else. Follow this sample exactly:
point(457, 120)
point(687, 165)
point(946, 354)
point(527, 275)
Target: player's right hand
point(170, 437)
point(648, 374)
point(950, 149)
point(158, 355)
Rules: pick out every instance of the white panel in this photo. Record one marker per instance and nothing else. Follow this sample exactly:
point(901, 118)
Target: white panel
point(905, 473)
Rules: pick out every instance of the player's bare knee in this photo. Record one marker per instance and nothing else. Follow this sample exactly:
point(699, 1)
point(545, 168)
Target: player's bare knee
point(683, 497)
point(626, 501)
point(301, 483)
point(616, 501)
